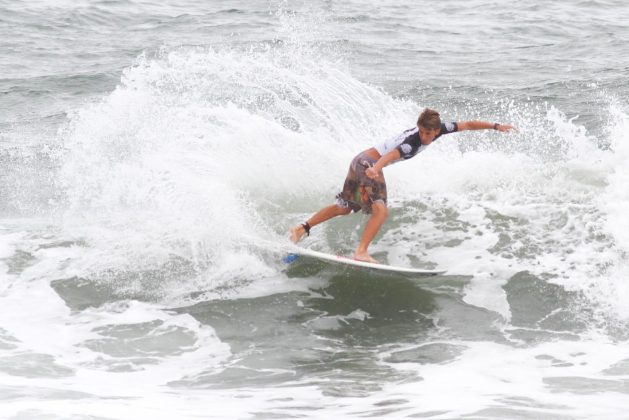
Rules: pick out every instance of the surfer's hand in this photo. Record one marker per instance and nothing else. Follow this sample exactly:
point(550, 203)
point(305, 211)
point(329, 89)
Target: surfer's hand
point(505, 127)
point(371, 173)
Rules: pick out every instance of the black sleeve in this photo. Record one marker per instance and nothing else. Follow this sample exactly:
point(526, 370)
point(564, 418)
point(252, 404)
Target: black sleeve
point(449, 127)
point(408, 148)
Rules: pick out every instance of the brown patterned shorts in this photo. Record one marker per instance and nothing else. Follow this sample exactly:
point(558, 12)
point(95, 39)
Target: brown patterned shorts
point(359, 191)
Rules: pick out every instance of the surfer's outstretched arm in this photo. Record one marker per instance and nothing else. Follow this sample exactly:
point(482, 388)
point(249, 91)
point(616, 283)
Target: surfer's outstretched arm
point(484, 125)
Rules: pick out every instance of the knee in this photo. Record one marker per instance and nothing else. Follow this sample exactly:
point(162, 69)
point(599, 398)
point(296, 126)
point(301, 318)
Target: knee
point(380, 209)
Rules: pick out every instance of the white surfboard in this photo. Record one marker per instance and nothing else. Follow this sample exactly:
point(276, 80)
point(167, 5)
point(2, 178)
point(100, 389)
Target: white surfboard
point(338, 259)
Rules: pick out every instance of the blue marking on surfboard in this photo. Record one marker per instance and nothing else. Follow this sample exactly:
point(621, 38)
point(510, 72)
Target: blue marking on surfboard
point(289, 258)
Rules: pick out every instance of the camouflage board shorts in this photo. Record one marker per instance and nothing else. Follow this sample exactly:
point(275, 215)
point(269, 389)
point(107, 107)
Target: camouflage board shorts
point(359, 191)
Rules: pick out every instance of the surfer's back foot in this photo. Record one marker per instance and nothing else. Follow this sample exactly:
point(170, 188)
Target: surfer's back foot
point(365, 257)
point(297, 233)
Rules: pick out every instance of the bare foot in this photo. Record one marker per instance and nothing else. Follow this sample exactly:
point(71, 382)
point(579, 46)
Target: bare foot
point(363, 256)
point(297, 233)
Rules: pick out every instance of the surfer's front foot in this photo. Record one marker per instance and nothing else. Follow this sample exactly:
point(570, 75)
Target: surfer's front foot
point(363, 256)
point(297, 233)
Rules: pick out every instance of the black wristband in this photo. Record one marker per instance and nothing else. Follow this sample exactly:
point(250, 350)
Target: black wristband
point(496, 126)
point(306, 227)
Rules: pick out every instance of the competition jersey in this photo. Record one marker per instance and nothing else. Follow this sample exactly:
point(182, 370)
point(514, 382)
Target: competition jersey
point(408, 143)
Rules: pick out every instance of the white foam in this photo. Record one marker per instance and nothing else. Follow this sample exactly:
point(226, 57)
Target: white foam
point(616, 197)
point(492, 375)
point(611, 290)
point(187, 155)
point(533, 201)
point(7, 242)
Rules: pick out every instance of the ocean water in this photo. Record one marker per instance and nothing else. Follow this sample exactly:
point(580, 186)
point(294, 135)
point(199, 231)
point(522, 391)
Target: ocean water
point(154, 154)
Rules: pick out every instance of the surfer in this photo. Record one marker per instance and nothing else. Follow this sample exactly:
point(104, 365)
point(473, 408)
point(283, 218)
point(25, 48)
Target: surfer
point(365, 188)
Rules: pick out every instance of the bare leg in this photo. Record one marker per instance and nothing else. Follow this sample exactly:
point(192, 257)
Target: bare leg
point(326, 213)
point(379, 213)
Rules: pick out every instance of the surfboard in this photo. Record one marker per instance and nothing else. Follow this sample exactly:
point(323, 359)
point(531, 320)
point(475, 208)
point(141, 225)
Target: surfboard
point(350, 262)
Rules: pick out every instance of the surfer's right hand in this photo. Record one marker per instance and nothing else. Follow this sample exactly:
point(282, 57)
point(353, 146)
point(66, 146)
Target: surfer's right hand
point(371, 173)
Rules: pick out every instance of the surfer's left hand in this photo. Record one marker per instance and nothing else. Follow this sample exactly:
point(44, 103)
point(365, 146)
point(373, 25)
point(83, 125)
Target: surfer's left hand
point(505, 127)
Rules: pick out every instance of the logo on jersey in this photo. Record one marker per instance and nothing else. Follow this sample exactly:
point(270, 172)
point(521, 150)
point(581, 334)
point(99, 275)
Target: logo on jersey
point(406, 148)
point(450, 126)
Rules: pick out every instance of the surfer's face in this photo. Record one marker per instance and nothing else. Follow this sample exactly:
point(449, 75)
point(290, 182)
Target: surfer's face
point(426, 136)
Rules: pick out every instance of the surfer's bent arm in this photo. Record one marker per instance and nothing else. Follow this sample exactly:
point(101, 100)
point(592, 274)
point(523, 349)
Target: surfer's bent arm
point(393, 155)
point(483, 125)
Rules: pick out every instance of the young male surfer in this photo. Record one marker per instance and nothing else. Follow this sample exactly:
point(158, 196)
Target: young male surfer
point(365, 189)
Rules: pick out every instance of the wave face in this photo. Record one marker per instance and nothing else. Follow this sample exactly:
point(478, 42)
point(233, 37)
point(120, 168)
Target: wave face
point(149, 181)
point(202, 153)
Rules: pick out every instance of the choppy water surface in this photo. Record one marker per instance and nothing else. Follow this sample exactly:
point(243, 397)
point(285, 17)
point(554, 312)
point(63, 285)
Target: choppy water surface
point(153, 155)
